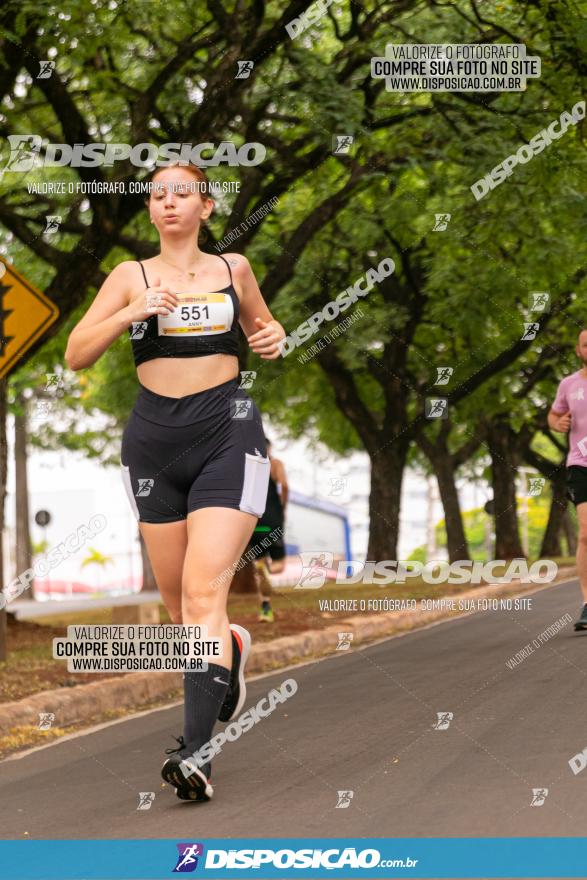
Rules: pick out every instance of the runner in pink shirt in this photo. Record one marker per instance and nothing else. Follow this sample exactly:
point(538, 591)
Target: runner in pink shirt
point(569, 413)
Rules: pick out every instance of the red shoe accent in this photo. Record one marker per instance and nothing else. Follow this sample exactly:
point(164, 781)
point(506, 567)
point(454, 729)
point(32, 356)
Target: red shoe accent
point(239, 641)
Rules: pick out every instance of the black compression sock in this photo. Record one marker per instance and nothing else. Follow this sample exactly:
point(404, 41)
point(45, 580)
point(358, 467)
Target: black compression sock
point(204, 694)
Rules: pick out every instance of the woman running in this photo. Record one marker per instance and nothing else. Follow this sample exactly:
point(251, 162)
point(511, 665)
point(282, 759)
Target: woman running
point(193, 457)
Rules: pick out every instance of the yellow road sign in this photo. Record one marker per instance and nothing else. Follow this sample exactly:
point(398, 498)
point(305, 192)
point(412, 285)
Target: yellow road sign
point(25, 314)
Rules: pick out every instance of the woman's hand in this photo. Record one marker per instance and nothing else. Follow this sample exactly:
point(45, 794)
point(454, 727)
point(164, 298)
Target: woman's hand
point(155, 300)
point(265, 342)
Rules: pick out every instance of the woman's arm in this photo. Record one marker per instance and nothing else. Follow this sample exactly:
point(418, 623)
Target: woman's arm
point(113, 310)
point(559, 422)
point(263, 332)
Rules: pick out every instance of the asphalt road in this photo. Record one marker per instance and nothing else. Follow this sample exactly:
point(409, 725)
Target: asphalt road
point(361, 721)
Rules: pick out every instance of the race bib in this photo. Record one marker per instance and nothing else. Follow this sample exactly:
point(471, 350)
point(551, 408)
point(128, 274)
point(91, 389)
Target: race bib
point(198, 314)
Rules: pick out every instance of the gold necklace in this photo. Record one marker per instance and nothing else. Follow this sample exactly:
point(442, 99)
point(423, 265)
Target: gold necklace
point(183, 271)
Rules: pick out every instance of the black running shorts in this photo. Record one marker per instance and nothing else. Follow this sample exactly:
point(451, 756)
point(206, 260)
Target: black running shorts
point(203, 450)
point(267, 543)
point(577, 484)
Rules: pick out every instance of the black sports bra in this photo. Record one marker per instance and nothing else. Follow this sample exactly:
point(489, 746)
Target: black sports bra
point(207, 323)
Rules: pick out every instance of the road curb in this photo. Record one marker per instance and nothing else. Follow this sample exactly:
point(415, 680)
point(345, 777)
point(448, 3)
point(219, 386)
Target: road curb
point(84, 703)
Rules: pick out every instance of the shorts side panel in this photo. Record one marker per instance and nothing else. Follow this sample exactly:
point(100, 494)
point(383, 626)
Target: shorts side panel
point(256, 467)
point(127, 483)
point(255, 484)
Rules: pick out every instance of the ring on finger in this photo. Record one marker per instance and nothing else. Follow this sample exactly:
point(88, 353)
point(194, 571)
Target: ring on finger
point(153, 300)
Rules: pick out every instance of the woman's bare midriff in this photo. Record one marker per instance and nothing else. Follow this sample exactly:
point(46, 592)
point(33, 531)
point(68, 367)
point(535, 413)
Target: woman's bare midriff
point(178, 377)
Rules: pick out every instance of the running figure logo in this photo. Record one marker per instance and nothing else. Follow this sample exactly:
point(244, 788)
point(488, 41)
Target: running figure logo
point(146, 799)
point(241, 409)
point(444, 719)
point(436, 408)
point(46, 69)
point(344, 641)
point(24, 149)
point(138, 329)
point(145, 486)
point(344, 799)
point(46, 719)
point(42, 410)
point(54, 380)
point(247, 378)
point(314, 570)
point(441, 222)
point(530, 331)
point(443, 375)
point(337, 485)
point(539, 301)
point(341, 143)
point(539, 795)
point(244, 69)
point(535, 486)
point(187, 859)
point(52, 222)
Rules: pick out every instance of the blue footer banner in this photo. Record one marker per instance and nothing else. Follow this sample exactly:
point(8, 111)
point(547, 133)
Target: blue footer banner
point(286, 857)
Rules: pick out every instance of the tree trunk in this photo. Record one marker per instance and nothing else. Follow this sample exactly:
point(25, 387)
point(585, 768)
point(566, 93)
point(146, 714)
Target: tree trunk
point(570, 533)
point(387, 470)
point(551, 540)
point(23, 536)
point(456, 540)
point(3, 473)
point(503, 466)
point(149, 582)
